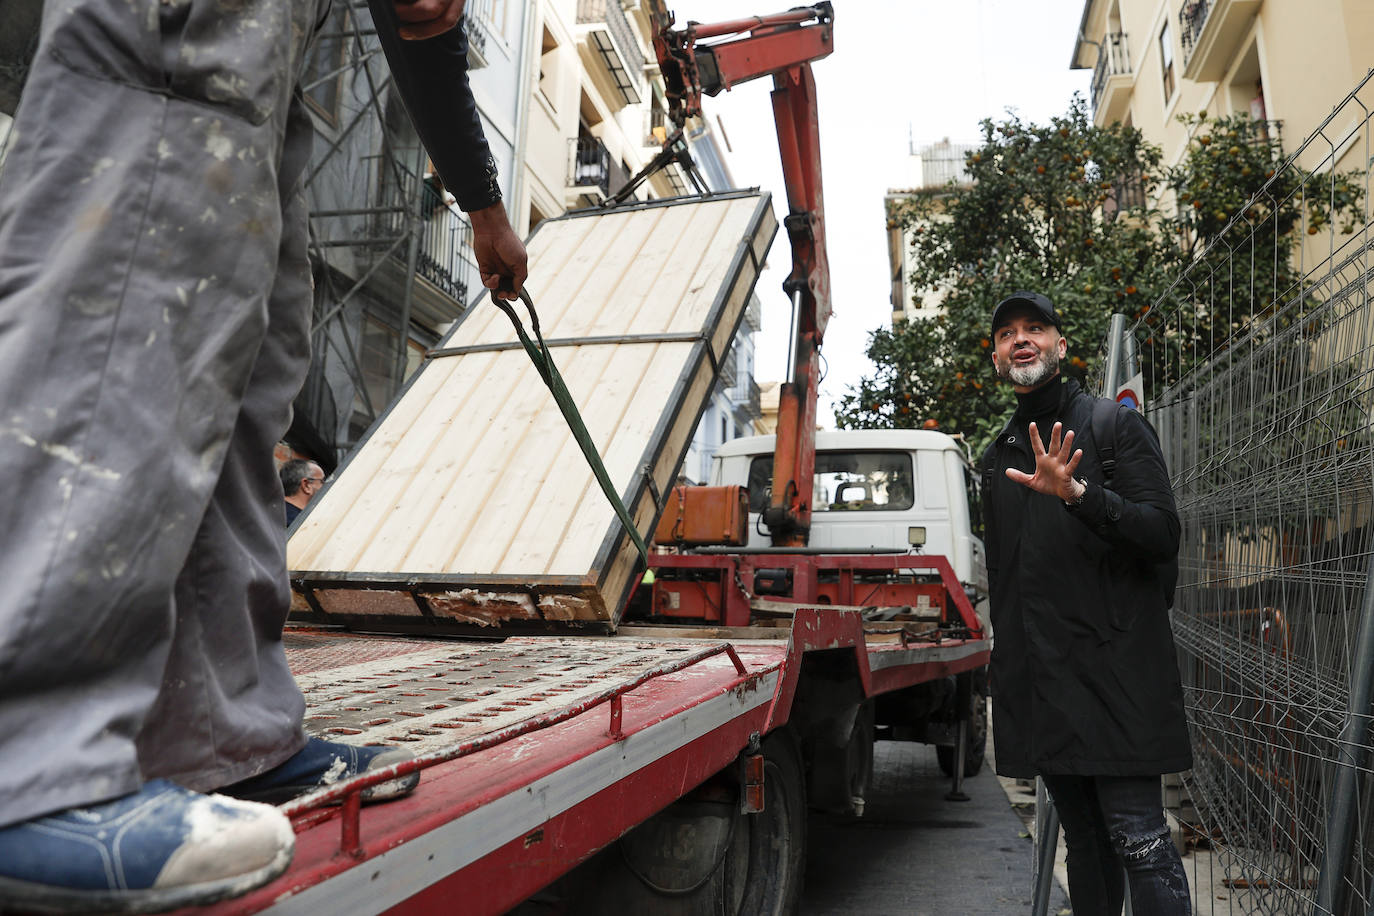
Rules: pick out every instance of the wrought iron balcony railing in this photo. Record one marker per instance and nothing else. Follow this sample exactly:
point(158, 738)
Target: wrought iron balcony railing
point(445, 235)
point(590, 166)
point(1113, 59)
point(616, 44)
point(1192, 19)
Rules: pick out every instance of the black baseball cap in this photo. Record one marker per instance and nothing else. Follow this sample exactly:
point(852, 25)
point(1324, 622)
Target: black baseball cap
point(1022, 297)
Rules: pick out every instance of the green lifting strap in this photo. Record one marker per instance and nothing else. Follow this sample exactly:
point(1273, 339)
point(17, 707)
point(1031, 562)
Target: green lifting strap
point(543, 361)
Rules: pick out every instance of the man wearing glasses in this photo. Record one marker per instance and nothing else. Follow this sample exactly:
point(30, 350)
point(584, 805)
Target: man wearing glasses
point(300, 481)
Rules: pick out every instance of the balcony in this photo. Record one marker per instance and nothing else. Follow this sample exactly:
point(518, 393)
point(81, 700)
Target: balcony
point(745, 396)
point(1211, 31)
point(1112, 80)
point(445, 236)
point(753, 315)
point(612, 39)
point(591, 168)
point(729, 373)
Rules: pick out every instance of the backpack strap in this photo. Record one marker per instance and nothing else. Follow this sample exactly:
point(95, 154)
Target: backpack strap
point(1105, 413)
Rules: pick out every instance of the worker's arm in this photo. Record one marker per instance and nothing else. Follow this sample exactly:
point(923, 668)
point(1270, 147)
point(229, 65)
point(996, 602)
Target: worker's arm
point(432, 77)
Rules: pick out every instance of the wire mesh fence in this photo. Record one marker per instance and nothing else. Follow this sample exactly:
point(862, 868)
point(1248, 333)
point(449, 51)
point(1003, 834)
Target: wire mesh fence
point(1259, 366)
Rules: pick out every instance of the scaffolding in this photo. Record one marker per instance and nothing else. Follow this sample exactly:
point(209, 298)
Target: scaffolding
point(1259, 366)
point(390, 251)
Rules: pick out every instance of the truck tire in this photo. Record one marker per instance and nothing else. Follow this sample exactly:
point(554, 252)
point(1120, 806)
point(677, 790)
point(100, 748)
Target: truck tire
point(701, 856)
point(841, 773)
point(777, 835)
point(977, 732)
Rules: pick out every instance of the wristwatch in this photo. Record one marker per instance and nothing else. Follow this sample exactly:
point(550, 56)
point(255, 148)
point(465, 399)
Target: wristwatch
point(1078, 501)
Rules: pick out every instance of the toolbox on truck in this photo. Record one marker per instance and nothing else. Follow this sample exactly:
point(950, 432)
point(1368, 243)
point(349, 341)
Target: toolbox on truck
point(468, 503)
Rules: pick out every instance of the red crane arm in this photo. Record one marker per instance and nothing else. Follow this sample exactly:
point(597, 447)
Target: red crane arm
point(781, 46)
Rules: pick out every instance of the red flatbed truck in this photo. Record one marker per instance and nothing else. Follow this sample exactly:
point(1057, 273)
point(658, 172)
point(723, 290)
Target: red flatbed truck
point(666, 765)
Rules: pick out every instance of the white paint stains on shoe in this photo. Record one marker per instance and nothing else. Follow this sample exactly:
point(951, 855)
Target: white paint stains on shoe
point(336, 771)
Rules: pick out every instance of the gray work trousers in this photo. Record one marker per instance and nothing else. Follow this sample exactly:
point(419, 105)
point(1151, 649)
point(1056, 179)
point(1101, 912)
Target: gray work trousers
point(154, 328)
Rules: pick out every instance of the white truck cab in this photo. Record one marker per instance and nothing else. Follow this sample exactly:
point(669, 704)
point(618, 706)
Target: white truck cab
point(883, 490)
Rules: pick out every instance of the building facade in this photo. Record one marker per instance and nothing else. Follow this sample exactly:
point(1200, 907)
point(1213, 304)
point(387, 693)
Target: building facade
point(594, 110)
point(391, 251)
point(932, 169)
point(1275, 61)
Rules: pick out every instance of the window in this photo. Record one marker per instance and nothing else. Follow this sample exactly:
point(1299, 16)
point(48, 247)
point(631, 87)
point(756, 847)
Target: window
point(846, 482)
point(1166, 61)
point(548, 69)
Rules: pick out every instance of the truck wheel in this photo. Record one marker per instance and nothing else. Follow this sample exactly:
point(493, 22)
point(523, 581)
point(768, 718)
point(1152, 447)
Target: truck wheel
point(977, 732)
point(841, 773)
point(777, 834)
point(702, 856)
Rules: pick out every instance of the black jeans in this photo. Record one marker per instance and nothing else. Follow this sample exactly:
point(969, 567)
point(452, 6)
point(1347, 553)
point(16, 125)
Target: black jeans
point(1115, 821)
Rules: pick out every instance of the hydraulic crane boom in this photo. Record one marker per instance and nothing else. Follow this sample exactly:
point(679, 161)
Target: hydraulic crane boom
point(782, 46)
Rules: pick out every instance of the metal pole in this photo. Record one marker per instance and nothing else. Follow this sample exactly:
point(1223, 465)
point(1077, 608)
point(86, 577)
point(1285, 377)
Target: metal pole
point(1111, 376)
point(1046, 842)
point(415, 226)
point(1351, 757)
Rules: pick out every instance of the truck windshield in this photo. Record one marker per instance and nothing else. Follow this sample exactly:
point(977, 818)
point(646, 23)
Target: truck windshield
point(846, 482)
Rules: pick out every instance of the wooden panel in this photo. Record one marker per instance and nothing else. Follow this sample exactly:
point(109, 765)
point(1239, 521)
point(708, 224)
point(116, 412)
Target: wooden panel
point(470, 492)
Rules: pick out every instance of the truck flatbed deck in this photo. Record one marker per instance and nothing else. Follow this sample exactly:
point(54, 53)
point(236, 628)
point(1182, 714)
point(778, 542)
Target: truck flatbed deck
point(538, 751)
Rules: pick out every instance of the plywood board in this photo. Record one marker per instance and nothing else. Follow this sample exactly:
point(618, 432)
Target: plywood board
point(469, 504)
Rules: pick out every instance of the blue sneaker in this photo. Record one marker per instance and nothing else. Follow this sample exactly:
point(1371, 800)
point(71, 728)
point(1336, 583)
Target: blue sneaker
point(322, 763)
point(161, 848)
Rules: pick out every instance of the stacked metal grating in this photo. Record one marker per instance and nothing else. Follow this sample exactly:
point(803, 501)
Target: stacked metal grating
point(1259, 377)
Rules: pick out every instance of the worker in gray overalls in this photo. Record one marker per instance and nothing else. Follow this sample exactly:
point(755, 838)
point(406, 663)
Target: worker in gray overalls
point(155, 302)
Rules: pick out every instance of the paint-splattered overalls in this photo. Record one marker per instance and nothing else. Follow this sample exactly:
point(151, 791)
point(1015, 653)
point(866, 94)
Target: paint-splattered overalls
point(154, 327)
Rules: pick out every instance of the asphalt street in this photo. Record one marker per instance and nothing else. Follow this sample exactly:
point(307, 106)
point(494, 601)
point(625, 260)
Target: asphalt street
point(915, 854)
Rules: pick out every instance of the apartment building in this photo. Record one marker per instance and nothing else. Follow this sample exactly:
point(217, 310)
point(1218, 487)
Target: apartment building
point(932, 168)
point(595, 109)
point(1279, 61)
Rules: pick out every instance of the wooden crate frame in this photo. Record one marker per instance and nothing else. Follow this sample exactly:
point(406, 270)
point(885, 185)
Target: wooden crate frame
point(379, 596)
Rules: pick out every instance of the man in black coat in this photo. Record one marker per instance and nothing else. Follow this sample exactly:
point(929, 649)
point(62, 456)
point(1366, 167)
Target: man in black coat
point(1082, 563)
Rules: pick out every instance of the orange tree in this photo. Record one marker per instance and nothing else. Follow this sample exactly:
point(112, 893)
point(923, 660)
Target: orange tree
point(1066, 209)
point(1061, 209)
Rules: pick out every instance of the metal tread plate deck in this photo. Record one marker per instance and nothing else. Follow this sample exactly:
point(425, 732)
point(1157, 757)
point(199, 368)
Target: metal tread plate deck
point(488, 830)
point(439, 693)
point(495, 826)
point(468, 505)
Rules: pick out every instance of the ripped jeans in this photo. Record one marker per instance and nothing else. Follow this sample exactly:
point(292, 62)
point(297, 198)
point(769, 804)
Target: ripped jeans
point(1111, 821)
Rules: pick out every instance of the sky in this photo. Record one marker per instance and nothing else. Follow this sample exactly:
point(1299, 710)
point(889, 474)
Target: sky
point(903, 72)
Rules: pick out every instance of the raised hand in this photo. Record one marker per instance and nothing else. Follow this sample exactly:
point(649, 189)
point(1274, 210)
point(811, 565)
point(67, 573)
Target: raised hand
point(1054, 466)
